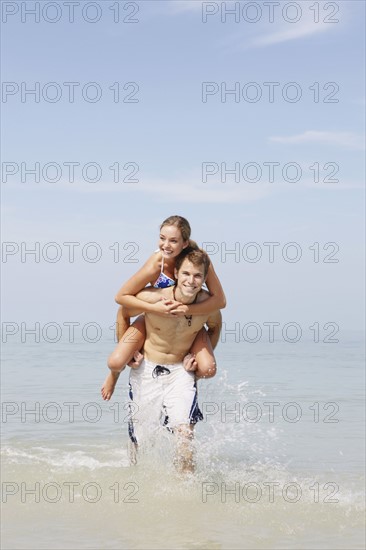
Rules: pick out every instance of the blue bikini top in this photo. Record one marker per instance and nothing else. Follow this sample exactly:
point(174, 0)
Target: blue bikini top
point(163, 281)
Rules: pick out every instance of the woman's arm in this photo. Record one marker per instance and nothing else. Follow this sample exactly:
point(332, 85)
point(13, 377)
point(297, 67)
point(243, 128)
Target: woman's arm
point(126, 295)
point(137, 305)
point(216, 301)
point(134, 306)
point(148, 272)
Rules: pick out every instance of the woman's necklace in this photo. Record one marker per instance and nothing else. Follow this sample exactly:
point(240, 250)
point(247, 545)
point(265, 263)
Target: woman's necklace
point(188, 317)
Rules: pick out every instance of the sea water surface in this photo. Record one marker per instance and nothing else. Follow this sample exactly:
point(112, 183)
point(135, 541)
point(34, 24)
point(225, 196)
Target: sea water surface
point(280, 454)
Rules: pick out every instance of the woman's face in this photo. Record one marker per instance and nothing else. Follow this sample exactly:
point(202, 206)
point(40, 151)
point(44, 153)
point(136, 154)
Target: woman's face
point(171, 241)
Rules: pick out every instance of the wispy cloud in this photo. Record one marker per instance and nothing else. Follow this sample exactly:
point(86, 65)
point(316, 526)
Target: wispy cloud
point(266, 34)
point(298, 30)
point(343, 139)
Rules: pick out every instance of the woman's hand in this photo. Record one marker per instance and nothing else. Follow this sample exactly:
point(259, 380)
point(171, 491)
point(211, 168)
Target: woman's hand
point(165, 307)
point(179, 311)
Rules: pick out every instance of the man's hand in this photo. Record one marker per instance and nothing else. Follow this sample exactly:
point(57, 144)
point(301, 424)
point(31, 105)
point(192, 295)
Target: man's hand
point(190, 363)
point(136, 360)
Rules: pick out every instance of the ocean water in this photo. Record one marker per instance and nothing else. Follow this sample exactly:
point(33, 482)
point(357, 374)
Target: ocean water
point(280, 455)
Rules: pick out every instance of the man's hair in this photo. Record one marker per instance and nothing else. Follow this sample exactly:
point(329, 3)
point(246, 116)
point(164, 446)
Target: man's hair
point(194, 255)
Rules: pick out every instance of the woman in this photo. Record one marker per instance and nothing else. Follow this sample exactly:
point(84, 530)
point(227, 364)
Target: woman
point(175, 234)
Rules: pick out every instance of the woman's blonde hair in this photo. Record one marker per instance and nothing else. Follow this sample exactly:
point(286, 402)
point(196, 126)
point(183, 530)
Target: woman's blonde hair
point(183, 226)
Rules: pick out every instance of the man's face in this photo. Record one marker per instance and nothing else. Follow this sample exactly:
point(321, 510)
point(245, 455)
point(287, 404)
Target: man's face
point(190, 279)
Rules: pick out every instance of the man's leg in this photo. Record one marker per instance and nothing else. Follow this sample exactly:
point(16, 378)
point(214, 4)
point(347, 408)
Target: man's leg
point(146, 402)
point(184, 459)
point(180, 402)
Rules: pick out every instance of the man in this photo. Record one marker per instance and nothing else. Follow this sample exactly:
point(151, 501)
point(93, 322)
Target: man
point(162, 387)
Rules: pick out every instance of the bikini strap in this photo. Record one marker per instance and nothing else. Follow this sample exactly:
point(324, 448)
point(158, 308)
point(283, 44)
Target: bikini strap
point(162, 259)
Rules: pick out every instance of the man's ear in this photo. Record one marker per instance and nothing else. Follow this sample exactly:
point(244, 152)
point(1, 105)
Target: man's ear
point(175, 273)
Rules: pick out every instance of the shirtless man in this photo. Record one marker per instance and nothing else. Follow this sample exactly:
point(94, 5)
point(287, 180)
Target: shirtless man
point(162, 387)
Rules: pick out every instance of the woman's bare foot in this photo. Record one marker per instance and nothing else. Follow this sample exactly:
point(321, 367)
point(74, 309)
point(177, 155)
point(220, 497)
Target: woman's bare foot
point(136, 360)
point(109, 385)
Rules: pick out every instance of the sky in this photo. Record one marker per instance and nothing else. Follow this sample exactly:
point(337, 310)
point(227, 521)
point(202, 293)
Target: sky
point(247, 118)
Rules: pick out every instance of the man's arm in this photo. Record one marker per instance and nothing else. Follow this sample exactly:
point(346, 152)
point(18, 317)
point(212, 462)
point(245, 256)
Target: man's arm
point(214, 324)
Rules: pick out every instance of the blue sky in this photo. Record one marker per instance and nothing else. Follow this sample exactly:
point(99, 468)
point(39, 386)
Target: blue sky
point(168, 133)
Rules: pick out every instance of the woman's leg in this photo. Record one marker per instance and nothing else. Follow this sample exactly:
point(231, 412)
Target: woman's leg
point(122, 325)
point(131, 341)
point(122, 322)
point(202, 351)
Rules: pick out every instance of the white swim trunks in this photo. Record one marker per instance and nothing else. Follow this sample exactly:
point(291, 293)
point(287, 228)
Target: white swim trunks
point(161, 395)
